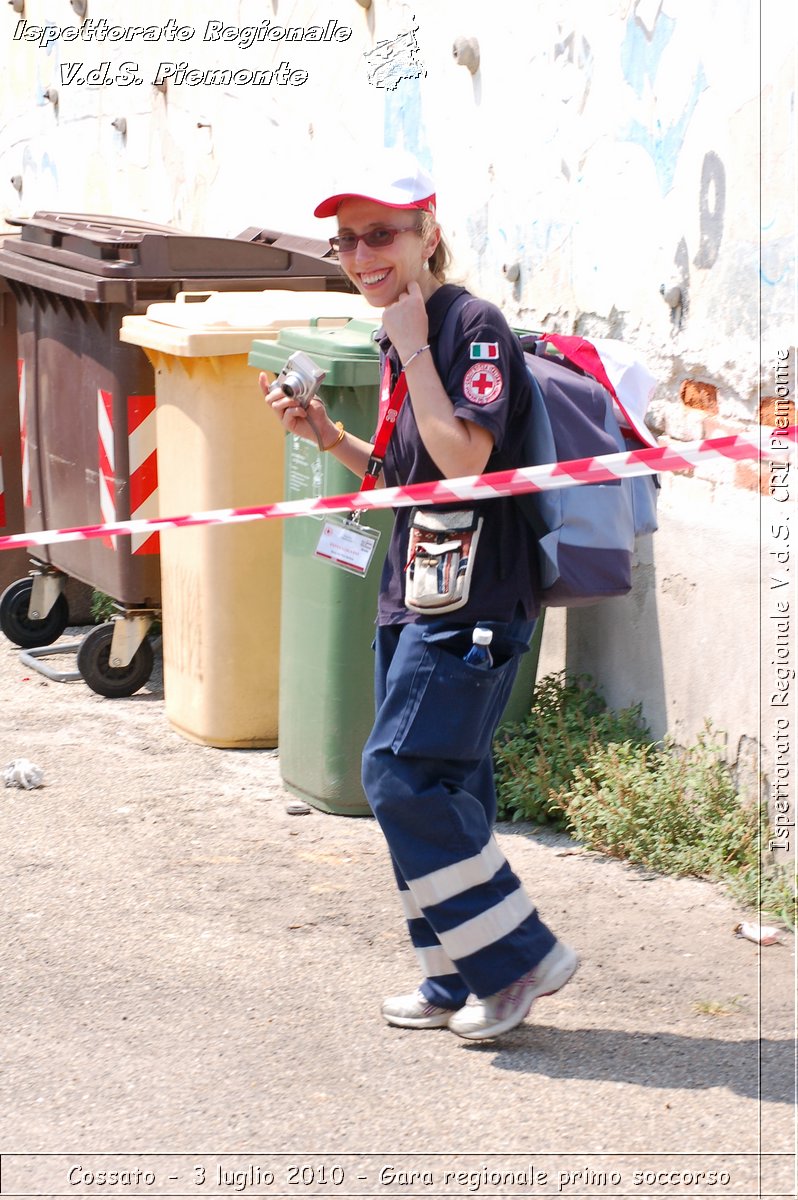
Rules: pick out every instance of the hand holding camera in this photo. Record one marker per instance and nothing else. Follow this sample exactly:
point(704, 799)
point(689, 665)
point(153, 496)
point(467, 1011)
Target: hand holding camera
point(299, 379)
point(292, 397)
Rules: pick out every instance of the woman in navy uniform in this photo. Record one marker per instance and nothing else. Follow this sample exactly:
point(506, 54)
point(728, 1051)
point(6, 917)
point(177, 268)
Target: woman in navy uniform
point(484, 952)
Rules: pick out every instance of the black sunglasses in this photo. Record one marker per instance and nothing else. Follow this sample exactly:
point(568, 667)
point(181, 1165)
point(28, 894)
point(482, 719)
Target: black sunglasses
point(377, 239)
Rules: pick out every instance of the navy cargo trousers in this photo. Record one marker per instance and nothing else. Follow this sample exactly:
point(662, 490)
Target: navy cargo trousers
point(428, 776)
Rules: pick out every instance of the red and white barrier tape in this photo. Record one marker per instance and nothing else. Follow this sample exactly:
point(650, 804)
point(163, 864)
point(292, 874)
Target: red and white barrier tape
point(623, 465)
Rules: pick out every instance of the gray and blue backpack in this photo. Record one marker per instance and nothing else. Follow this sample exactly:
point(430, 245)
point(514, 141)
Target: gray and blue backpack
point(584, 535)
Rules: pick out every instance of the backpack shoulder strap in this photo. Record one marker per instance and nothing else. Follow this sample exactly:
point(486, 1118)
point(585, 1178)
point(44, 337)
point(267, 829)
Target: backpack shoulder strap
point(446, 334)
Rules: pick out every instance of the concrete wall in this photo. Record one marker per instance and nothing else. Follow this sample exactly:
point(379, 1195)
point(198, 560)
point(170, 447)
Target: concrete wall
point(604, 148)
point(603, 152)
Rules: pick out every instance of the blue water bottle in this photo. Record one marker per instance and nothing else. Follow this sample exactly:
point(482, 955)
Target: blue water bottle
point(479, 655)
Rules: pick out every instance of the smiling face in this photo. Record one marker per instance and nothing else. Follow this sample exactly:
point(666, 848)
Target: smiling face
point(382, 275)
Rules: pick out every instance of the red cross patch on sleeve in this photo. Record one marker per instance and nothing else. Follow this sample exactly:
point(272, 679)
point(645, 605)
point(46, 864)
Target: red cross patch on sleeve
point(483, 383)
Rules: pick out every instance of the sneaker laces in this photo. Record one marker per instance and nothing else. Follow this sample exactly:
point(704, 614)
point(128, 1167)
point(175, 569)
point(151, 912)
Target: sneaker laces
point(514, 992)
point(511, 994)
point(428, 1009)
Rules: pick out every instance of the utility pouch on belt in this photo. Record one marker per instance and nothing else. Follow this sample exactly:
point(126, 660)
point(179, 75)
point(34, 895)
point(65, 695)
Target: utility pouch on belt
point(440, 559)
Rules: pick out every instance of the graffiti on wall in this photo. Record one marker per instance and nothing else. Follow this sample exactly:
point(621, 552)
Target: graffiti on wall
point(712, 205)
point(574, 58)
point(395, 59)
point(648, 34)
point(42, 170)
point(641, 59)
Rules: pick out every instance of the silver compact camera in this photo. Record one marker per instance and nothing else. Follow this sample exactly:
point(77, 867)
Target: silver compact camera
point(299, 378)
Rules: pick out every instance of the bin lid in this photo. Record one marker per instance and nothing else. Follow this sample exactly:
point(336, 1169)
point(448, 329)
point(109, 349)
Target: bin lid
point(206, 324)
point(93, 249)
point(349, 354)
point(316, 247)
point(7, 236)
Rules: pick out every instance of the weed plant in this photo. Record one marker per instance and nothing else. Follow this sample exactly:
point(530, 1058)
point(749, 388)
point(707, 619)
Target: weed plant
point(103, 609)
point(676, 811)
point(536, 758)
point(578, 766)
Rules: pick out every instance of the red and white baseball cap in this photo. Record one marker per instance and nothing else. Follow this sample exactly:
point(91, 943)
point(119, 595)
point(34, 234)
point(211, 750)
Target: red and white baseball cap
point(392, 177)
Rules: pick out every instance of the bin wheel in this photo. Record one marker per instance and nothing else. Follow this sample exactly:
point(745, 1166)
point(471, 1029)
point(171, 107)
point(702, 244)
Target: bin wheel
point(94, 665)
point(24, 630)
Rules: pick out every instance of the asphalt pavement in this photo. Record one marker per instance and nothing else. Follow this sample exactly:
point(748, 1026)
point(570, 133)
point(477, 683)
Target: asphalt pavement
point(193, 974)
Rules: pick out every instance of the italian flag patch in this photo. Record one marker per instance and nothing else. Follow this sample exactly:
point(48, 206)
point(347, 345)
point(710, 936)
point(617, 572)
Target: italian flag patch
point(484, 350)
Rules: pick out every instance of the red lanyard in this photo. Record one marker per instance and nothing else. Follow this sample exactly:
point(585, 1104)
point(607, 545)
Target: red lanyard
point(389, 411)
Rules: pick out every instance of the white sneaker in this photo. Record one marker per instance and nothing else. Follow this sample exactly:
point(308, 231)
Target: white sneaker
point(492, 1015)
point(414, 1011)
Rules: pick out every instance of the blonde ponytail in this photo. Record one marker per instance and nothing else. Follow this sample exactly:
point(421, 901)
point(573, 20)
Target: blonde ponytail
point(441, 258)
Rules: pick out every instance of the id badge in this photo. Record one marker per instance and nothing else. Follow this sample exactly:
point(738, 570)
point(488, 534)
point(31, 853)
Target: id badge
point(347, 544)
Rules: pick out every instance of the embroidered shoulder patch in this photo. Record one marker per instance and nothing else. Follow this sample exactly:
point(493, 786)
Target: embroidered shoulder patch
point(484, 350)
point(483, 384)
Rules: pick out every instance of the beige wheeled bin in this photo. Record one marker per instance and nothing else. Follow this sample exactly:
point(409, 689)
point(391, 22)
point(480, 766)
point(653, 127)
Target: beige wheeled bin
point(219, 447)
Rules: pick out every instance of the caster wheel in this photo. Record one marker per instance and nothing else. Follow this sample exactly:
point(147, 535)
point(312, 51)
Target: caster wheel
point(94, 664)
point(24, 630)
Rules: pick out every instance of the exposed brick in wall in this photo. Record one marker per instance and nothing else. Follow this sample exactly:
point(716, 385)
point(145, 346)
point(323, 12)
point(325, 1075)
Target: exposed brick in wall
point(700, 407)
point(768, 411)
point(695, 394)
point(752, 477)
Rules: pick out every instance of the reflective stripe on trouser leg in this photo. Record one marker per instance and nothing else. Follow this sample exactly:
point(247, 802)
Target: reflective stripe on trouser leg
point(435, 810)
point(442, 983)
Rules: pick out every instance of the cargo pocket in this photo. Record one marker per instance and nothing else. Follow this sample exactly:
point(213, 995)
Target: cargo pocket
point(452, 707)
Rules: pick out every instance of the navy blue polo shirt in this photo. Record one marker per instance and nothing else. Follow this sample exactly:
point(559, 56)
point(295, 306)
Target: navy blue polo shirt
point(487, 383)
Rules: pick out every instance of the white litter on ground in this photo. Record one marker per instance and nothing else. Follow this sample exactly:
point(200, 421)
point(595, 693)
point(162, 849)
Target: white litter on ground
point(22, 773)
point(764, 935)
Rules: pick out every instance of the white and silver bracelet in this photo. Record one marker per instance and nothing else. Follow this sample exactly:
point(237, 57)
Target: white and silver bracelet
point(420, 350)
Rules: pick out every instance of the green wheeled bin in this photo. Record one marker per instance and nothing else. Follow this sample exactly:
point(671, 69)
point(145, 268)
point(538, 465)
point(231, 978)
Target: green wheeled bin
point(326, 702)
point(519, 703)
